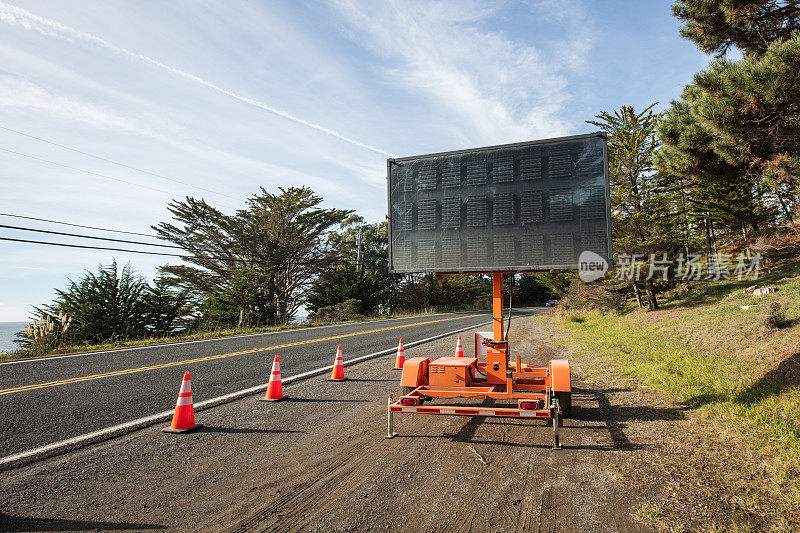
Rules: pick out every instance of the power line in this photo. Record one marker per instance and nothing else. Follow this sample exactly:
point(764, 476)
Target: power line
point(90, 172)
point(78, 225)
point(113, 231)
point(79, 235)
point(90, 237)
point(62, 233)
point(157, 175)
point(65, 245)
point(186, 256)
point(188, 253)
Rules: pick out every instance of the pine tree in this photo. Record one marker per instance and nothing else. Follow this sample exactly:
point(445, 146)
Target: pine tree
point(751, 108)
point(644, 220)
point(713, 188)
point(749, 25)
point(742, 114)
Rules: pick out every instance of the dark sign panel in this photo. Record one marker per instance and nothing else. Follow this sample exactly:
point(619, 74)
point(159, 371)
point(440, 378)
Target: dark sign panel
point(527, 206)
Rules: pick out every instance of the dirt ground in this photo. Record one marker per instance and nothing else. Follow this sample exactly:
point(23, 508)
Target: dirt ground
point(319, 462)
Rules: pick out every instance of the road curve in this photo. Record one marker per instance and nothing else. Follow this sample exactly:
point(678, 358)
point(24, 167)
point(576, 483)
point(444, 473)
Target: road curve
point(51, 399)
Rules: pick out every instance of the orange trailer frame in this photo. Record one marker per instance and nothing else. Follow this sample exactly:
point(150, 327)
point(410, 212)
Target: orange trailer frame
point(541, 392)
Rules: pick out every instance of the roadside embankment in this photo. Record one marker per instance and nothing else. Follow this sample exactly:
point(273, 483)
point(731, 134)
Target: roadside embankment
point(731, 360)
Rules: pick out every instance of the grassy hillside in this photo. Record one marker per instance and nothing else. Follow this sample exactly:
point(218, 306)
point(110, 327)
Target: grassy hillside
point(717, 350)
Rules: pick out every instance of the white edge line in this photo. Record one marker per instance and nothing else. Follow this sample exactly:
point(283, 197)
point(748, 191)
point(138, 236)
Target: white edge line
point(153, 346)
point(29, 456)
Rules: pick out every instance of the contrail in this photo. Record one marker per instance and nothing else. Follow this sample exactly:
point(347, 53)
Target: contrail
point(20, 17)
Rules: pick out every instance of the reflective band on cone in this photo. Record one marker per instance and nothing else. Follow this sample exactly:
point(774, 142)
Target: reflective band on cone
point(459, 348)
point(274, 389)
point(338, 367)
point(400, 360)
point(183, 419)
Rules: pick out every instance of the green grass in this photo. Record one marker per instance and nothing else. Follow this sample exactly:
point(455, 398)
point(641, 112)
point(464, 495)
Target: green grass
point(201, 335)
point(709, 354)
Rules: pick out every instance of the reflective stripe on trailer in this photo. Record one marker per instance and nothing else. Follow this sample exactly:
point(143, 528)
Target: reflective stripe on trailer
point(469, 411)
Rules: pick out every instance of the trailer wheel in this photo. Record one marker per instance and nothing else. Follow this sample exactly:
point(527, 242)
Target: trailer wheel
point(565, 402)
point(407, 390)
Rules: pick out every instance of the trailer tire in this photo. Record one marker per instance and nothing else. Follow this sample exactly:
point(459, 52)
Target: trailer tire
point(565, 402)
point(407, 390)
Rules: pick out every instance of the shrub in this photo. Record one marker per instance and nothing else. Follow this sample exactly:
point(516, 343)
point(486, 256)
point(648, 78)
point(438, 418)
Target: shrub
point(776, 317)
point(45, 333)
point(575, 317)
point(594, 296)
point(341, 312)
point(109, 305)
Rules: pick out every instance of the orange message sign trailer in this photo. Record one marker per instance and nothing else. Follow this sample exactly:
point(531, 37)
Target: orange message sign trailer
point(523, 207)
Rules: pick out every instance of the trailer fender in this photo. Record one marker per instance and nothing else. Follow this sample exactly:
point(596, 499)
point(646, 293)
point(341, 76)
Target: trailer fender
point(560, 379)
point(415, 372)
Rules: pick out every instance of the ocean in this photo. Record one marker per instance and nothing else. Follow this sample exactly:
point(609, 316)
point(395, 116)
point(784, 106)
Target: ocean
point(8, 331)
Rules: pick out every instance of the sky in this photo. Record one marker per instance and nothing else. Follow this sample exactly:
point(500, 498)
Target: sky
point(109, 109)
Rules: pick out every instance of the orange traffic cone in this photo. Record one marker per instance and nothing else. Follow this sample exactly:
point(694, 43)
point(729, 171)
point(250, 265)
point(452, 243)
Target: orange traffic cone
point(401, 357)
point(183, 419)
point(459, 348)
point(338, 367)
point(275, 388)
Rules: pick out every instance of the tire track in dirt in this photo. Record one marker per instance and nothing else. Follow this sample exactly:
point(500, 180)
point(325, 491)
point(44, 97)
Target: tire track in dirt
point(301, 495)
point(299, 501)
point(302, 500)
point(517, 490)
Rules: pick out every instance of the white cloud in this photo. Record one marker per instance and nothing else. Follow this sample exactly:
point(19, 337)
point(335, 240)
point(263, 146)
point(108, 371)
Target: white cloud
point(21, 94)
point(21, 17)
point(501, 88)
point(17, 93)
point(578, 30)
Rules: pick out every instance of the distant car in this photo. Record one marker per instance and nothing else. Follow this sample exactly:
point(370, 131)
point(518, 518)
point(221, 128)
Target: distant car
point(551, 303)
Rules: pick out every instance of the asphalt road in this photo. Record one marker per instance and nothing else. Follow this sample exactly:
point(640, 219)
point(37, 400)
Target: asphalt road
point(47, 400)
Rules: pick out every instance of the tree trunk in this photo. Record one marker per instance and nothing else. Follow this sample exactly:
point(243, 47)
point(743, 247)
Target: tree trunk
point(637, 293)
point(711, 266)
point(687, 235)
point(783, 205)
point(652, 303)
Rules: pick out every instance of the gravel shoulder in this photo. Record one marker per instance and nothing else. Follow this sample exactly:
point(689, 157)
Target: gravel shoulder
point(318, 462)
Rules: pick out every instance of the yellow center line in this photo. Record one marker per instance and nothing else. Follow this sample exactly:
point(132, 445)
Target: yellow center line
point(213, 357)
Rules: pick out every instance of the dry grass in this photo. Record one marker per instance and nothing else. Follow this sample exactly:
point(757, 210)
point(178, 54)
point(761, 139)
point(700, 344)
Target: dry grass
point(733, 367)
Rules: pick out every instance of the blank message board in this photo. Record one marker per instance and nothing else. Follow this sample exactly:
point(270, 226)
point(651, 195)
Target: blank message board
point(518, 207)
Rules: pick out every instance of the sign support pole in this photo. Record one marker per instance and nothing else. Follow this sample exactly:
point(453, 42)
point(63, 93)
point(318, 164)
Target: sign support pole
point(497, 305)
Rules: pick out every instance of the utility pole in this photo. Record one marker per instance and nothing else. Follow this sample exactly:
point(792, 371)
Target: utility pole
point(358, 253)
